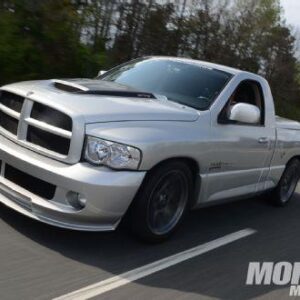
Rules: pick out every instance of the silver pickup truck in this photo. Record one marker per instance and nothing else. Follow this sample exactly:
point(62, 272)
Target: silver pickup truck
point(148, 139)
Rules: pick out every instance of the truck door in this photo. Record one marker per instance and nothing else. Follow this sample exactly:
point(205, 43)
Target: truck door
point(241, 153)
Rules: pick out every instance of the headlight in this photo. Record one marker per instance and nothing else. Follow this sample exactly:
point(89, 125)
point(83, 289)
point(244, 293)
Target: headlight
point(113, 155)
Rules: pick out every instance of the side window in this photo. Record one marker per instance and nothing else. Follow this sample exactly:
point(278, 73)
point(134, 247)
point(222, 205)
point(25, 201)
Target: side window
point(250, 92)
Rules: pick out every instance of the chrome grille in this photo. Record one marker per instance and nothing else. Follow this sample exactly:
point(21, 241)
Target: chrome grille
point(10, 111)
point(35, 124)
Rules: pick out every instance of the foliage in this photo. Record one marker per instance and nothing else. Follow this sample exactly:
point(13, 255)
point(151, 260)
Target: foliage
point(68, 38)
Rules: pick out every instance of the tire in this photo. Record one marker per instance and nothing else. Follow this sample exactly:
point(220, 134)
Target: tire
point(285, 189)
point(162, 202)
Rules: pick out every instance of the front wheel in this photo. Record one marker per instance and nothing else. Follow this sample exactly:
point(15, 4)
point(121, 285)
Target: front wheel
point(162, 201)
point(287, 184)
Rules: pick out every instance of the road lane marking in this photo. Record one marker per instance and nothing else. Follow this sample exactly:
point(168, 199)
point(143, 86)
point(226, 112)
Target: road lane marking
point(112, 283)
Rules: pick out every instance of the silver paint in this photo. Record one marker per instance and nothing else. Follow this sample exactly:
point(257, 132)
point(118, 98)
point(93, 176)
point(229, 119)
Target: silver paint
point(233, 160)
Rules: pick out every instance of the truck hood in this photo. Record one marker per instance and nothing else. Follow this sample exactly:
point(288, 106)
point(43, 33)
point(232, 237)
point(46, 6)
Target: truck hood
point(102, 101)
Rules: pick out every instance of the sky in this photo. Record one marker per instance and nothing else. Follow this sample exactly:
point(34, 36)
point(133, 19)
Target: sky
point(292, 12)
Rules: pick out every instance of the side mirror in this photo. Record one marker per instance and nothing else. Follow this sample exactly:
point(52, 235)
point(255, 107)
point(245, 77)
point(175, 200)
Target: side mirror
point(245, 113)
point(101, 72)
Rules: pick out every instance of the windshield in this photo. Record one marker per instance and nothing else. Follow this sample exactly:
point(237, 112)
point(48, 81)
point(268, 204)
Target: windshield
point(187, 83)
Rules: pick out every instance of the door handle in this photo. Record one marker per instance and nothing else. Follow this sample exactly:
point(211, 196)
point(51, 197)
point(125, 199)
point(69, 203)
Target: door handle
point(263, 140)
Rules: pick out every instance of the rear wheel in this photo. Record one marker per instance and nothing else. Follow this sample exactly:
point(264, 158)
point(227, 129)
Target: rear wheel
point(162, 202)
point(287, 184)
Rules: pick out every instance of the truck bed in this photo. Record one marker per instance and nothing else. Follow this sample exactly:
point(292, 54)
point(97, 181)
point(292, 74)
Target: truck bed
point(287, 123)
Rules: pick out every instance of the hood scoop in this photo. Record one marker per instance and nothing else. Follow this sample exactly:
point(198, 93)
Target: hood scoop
point(68, 86)
point(98, 87)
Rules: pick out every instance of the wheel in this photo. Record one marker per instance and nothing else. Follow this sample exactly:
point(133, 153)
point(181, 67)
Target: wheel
point(162, 202)
point(287, 184)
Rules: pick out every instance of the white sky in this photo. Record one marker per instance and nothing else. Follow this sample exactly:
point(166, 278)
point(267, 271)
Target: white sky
point(292, 11)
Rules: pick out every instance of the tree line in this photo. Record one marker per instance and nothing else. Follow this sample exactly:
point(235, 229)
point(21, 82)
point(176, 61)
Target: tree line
point(77, 38)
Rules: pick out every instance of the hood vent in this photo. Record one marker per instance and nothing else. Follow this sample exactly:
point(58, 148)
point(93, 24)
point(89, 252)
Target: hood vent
point(69, 86)
point(101, 89)
point(120, 94)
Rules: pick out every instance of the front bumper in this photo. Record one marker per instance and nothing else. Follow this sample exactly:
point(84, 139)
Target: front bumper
point(108, 193)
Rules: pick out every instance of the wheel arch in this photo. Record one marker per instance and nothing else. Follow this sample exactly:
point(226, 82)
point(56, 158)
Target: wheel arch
point(285, 166)
point(193, 166)
point(292, 158)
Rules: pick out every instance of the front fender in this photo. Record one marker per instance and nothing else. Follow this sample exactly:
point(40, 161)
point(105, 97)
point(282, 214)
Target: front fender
point(158, 140)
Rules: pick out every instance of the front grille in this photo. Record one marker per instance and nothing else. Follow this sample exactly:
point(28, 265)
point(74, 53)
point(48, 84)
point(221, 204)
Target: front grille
point(9, 123)
point(12, 101)
point(32, 184)
point(51, 116)
point(48, 140)
point(10, 110)
point(35, 124)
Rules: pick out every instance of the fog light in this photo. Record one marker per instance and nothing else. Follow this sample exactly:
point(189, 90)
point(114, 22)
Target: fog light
point(81, 200)
point(76, 200)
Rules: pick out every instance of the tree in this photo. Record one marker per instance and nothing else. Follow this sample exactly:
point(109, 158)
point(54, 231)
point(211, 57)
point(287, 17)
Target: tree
point(66, 38)
point(39, 40)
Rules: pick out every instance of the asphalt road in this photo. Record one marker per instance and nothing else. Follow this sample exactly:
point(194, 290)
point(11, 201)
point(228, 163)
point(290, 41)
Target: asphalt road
point(42, 262)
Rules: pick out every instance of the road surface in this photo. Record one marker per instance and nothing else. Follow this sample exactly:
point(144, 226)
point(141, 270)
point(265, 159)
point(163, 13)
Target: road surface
point(38, 261)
